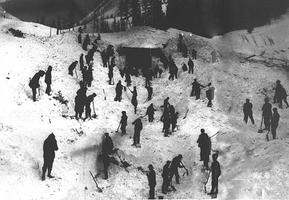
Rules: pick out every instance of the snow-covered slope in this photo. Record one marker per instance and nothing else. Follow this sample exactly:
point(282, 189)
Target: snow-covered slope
point(252, 167)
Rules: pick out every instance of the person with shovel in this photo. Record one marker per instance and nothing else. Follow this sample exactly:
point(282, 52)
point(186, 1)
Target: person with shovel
point(107, 150)
point(123, 123)
point(88, 101)
point(118, 90)
point(34, 83)
point(176, 163)
point(247, 110)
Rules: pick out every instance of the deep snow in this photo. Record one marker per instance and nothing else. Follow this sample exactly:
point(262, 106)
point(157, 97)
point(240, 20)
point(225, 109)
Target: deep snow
point(252, 167)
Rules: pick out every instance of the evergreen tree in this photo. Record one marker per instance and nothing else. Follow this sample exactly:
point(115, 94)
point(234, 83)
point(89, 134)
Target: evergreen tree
point(136, 13)
point(157, 14)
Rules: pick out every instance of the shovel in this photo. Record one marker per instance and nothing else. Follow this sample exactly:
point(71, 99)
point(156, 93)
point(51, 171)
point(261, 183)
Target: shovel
point(187, 171)
point(260, 129)
point(94, 179)
point(94, 114)
point(104, 94)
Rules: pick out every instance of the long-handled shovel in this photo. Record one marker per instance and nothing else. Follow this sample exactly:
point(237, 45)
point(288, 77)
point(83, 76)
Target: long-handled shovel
point(187, 171)
point(104, 94)
point(94, 179)
point(260, 129)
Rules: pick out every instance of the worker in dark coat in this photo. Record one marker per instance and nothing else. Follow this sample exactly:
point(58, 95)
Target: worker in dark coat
point(175, 165)
point(88, 102)
point(47, 80)
point(81, 62)
point(80, 100)
point(166, 104)
point(280, 94)
point(86, 42)
point(191, 66)
point(165, 118)
point(137, 129)
point(196, 89)
point(107, 150)
point(89, 75)
point(166, 177)
point(123, 122)
point(267, 113)
point(110, 74)
point(127, 79)
point(118, 91)
point(248, 112)
point(216, 173)
point(150, 112)
point(274, 122)
point(152, 181)
point(34, 83)
point(134, 99)
point(210, 94)
point(104, 58)
point(174, 120)
point(204, 143)
point(49, 148)
point(72, 67)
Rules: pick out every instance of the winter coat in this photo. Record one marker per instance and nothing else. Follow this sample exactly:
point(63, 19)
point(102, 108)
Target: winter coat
point(152, 178)
point(216, 170)
point(267, 109)
point(247, 108)
point(107, 146)
point(49, 146)
point(275, 119)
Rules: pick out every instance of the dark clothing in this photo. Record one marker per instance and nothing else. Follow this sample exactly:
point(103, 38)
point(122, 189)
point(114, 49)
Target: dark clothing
point(274, 123)
point(88, 101)
point(107, 149)
point(72, 67)
point(134, 100)
point(86, 42)
point(127, 79)
point(173, 170)
point(47, 80)
point(204, 142)
point(196, 89)
point(78, 108)
point(174, 119)
point(81, 62)
point(247, 110)
point(150, 112)
point(79, 38)
point(152, 183)
point(166, 178)
point(34, 83)
point(49, 146)
point(150, 92)
point(216, 172)
point(123, 123)
point(118, 91)
point(191, 66)
point(137, 129)
point(267, 114)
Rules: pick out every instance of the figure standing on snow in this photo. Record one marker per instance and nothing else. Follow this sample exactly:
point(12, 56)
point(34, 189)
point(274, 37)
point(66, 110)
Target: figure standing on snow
point(49, 148)
point(204, 143)
point(134, 99)
point(81, 62)
point(267, 114)
point(107, 150)
point(280, 94)
point(194, 54)
point(247, 110)
point(152, 181)
point(47, 80)
point(79, 38)
point(123, 123)
point(137, 129)
point(150, 92)
point(191, 66)
point(210, 93)
point(175, 165)
point(34, 83)
point(86, 42)
point(274, 122)
point(118, 90)
point(88, 102)
point(150, 112)
point(216, 173)
point(173, 70)
point(166, 177)
point(72, 67)
point(80, 101)
point(196, 89)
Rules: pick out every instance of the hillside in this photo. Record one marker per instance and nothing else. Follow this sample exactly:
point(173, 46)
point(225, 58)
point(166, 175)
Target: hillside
point(251, 167)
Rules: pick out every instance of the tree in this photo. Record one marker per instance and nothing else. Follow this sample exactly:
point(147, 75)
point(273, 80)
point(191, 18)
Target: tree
point(136, 13)
point(157, 14)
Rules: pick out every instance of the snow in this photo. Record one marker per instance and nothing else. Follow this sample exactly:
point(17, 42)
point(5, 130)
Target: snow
point(251, 167)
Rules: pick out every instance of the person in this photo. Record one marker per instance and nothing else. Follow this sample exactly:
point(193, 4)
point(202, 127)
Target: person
point(194, 54)
point(173, 170)
point(166, 103)
point(110, 74)
point(174, 120)
point(166, 177)
point(150, 92)
point(210, 95)
point(127, 79)
point(81, 62)
point(72, 67)
point(107, 150)
point(173, 70)
point(191, 66)
point(166, 122)
point(185, 67)
point(278, 90)
point(79, 38)
point(47, 80)
point(274, 122)
point(134, 99)
point(118, 91)
point(156, 71)
point(283, 97)
point(152, 181)
point(34, 83)
point(150, 112)
point(80, 101)
point(104, 58)
point(49, 148)
point(267, 113)
point(88, 101)
point(204, 143)
point(123, 122)
point(89, 75)
point(137, 129)
point(247, 110)
point(216, 173)
point(86, 42)
point(196, 89)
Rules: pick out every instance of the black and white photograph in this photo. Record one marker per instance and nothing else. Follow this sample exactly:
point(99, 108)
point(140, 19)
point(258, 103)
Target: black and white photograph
point(144, 99)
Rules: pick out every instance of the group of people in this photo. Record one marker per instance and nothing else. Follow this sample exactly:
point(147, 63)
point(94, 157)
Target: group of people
point(169, 118)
